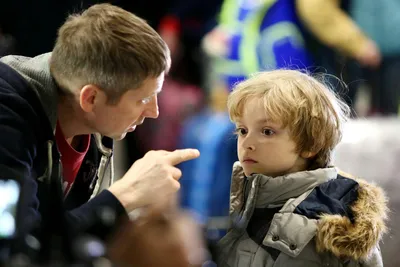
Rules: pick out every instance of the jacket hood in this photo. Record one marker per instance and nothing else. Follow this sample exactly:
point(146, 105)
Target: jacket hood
point(36, 71)
point(355, 239)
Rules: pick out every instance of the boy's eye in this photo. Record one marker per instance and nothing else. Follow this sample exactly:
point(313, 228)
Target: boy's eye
point(240, 131)
point(268, 132)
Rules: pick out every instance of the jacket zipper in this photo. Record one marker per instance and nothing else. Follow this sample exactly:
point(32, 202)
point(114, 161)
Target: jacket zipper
point(238, 221)
point(245, 195)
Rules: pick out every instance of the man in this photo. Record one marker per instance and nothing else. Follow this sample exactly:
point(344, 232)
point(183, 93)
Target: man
point(101, 79)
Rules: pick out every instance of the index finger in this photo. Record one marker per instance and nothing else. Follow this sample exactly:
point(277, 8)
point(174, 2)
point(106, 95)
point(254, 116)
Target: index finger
point(181, 155)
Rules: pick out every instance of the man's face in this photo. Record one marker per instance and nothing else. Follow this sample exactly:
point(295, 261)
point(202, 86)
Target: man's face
point(263, 145)
point(115, 121)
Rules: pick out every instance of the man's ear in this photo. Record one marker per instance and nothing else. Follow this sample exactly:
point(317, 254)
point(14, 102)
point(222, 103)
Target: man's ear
point(88, 97)
point(308, 154)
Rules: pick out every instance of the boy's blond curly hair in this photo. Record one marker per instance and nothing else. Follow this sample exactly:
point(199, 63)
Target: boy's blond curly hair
point(313, 113)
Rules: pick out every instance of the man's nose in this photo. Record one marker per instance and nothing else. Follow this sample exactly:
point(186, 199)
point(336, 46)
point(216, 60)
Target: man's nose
point(151, 110)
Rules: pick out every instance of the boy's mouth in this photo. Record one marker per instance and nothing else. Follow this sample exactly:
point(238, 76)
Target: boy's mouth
point(249, 160)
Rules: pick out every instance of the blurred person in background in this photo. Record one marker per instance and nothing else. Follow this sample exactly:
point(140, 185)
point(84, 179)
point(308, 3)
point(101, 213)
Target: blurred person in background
point(379, 20)
point(332, 36)
point(181, 24)
point(182, 27)
point(137, 243)
point(331, 24)
point(298, 34)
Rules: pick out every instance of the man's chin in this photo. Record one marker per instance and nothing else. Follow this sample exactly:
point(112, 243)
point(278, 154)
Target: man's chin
point(117, 137)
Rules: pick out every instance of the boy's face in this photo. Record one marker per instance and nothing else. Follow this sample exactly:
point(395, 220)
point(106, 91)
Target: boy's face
point(263, 146)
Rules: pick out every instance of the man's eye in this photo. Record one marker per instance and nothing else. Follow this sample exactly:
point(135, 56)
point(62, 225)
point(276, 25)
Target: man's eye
point(146, 100)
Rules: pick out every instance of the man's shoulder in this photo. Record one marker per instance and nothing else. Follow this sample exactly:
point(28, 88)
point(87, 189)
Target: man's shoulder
point(18, 101)
point(12, 82)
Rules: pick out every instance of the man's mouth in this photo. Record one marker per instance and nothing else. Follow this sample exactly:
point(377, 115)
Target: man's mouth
point(131, 129)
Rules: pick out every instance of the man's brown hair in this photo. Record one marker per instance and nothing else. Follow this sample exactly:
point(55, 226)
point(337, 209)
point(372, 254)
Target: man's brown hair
point(110, 48)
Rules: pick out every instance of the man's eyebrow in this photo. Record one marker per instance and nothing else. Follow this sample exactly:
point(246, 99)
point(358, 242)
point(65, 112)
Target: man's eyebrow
point(154, 93)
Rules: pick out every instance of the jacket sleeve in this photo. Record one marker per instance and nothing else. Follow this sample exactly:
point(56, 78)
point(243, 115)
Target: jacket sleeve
point(18, 140)
point(100, 216)
point(17, 152)
point(331, 25)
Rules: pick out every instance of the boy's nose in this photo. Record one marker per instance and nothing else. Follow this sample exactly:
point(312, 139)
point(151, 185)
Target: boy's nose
point(251, 147)
point(248, 145)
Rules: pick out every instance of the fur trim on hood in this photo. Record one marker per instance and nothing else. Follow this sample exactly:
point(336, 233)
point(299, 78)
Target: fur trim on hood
point(356, 240)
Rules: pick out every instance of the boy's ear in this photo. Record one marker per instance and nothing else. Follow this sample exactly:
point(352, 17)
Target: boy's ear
point(307, 154)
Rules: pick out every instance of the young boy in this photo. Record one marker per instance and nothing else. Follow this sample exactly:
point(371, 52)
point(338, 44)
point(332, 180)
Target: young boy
point(290, 207)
